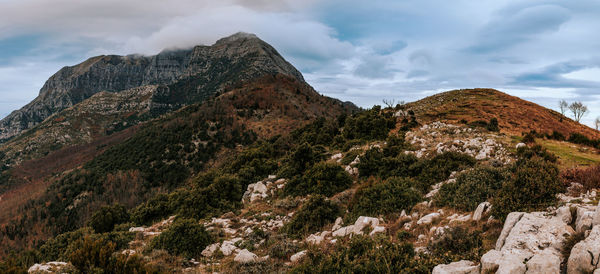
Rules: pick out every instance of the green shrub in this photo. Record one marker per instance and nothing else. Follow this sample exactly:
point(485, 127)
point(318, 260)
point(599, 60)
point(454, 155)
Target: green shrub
point(186, 237)
point(97, 256)
point(536, 151)
point(438, 168)
point(394, 145)
point(533, 186)
point(60, 247)
point(471, 188)
point(152, 210)
point(301, 159)
point(371, 124)
point(374, 163)
point(312, 216)
point(493, 125)
point(362, 254)
point(457, 244)
point(370, 163)
point(105, 219)
point(389, 196)
point(323, 178)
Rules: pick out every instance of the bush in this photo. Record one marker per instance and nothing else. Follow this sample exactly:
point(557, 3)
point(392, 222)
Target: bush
point(362, 254)
point(152, 210)
point(439, 168)
point(389, 196)
point(323, 178)
point(105, 219)
point(536, 151)
point(186, 237)
point(533, 186)
point(368, 125)
point(370, 163)
point(373, 163)
point(301, 159)
point(471, 188)
point(457, 244)
point(312, 216)
point(588, 177)
point(97, 256)
point(493, 125)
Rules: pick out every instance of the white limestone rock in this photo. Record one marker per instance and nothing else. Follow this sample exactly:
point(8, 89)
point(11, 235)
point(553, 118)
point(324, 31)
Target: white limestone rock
point(298, 256)
point(244, 256)
point(210, 250)
point(460, 267)
point(481, 208)
point(429, 218)
point(47, 267)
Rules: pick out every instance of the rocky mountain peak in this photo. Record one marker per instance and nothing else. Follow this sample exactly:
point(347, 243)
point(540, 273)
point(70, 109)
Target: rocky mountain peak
point(194, 73)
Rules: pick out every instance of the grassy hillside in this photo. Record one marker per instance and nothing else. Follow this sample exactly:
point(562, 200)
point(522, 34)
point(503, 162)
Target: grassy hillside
point(515, 116)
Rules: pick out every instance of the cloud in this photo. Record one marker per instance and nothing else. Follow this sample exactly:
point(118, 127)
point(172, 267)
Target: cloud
point(508, 30)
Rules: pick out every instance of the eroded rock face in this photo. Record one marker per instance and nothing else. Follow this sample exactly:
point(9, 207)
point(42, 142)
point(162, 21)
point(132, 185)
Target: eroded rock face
point(585, 255)
point(209, 68)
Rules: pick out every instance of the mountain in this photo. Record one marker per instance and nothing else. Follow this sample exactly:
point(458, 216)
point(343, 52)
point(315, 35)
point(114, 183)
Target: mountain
point(126, 146)
point(515, 115)
point(202, 71)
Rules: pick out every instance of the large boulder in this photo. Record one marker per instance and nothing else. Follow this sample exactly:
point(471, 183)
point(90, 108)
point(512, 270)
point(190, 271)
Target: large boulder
point(585, 255)
point(461, 267)
point(244, 256)
point(536, 238)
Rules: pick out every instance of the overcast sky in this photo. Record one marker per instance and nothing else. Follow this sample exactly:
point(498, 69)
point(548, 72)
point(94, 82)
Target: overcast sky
point(361, 51)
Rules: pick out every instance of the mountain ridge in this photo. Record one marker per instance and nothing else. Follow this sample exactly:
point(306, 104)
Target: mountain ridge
point(235, 58)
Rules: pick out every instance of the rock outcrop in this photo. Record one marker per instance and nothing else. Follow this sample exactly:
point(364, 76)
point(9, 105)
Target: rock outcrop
point(193, 75)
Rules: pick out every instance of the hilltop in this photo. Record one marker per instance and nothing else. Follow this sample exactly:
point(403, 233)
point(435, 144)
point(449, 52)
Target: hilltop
point(515, 116)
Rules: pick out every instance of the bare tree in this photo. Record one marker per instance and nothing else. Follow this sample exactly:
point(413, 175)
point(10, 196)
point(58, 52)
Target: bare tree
point(389, 102)
point(563, 106)
point(597, 122)
point(578, 109)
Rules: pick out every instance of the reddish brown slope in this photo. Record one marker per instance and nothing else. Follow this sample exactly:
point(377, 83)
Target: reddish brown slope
point(514, 115)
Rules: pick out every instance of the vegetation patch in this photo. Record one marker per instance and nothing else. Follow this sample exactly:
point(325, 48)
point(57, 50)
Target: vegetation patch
point(384, 197)
point(323, 178)
point(312, 216)
point(186, 237)
point(471, 188)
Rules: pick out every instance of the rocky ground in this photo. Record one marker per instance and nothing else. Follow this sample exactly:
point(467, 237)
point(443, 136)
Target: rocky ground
point(527, 242)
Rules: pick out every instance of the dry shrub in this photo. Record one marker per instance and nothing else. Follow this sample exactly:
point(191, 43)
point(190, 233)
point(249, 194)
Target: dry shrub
point(588, 177)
